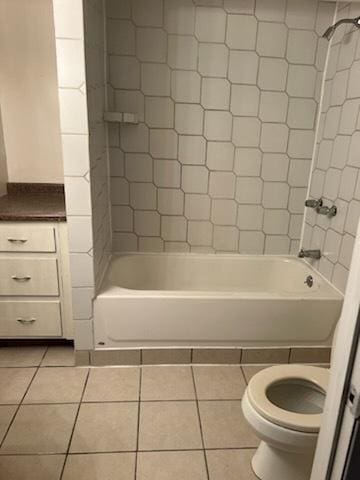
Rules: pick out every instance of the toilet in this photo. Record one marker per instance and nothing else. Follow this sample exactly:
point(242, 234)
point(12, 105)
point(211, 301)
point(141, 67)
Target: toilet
point(283, 404)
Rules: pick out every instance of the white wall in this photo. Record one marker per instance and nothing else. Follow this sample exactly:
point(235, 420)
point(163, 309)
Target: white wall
point(28, 91)
point(3, 167)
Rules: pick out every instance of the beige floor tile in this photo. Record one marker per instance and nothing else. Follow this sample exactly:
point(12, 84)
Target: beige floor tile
point(105, 427)
point(101, 466)
point(167, 383)
point(6, 415)
point(59, 356)
point(13, 383)
point(57, 385)
point(166, 356)
point(224, 425)
point(169, 426)
point(39, 467)
point(230, 464)
point(21, 356)
point(40, 429)
point(112, 384)
point(214, 383)
point(171, 465)
point(216, 355)
point(251, 370)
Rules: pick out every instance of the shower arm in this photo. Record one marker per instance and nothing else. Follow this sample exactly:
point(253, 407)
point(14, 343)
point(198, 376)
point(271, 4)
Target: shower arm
point(331, 30)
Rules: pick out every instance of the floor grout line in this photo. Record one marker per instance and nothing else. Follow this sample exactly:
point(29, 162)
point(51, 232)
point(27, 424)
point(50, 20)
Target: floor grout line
point(74, 425)
point(22, 399)
point(138, 425)
point(200, 425)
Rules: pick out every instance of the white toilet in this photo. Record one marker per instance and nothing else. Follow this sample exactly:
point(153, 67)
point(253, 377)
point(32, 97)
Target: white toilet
point(283, 404)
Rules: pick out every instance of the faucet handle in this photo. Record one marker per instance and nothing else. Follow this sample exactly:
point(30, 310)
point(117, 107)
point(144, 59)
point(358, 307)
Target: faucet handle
point(313, 203)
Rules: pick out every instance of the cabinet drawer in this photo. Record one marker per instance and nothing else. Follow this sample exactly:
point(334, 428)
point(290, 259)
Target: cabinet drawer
point(28, 276)
point(30, 319)
point(27, 238)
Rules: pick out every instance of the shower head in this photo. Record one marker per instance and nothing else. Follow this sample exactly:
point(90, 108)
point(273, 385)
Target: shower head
point(331, 30)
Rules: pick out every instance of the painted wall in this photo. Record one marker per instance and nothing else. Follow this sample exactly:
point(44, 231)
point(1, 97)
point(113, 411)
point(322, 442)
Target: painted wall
point(28, 91)
point(227, 95)
point(3, 167)
point(335, 175)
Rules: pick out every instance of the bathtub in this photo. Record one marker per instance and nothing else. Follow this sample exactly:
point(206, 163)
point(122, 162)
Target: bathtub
point(149, 300)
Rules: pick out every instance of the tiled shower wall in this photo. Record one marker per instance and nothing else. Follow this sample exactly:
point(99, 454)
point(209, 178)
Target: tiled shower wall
point(227, 94)
point(335, 175)
point(95, 60)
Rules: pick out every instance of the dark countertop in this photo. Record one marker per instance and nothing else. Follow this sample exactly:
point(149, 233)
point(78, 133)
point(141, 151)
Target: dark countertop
point(40, 203)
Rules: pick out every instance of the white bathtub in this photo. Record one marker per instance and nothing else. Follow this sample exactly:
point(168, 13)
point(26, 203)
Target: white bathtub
point(149, 300)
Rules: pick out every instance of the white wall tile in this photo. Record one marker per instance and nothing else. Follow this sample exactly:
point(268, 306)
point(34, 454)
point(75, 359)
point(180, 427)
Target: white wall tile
point(189, 119)
point(155, 79)
point(73, 111)
point(241, 32)
point(223, 212)
point(192, 149)
point(163, 143)
point(197, 206)
point(213, 60)
point(271, 39)
point(272, 73)
point(179, 17)
point(167, 173)
point(220, 156)
point(226, 238)
point(66, 25)
point(173, 228)
point(217, 125)
point(138, 167)
point(246, 132)
point(147, 224)
point(144, 16)
point(243, 67)
point(194, 179)
point(273, 106)
point(182, 52)
point(185, 86)
point(170, 201)
point(222, 184)
point(215, 93)
point(210, 24)
point(200, 233)
point(151, 45)
point(245, 100)
point(159, 112)
point(120, 37)
point(124, 72)
point(77, 196)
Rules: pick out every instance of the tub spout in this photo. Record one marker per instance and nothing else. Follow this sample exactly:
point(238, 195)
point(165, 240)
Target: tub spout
point(316, 254)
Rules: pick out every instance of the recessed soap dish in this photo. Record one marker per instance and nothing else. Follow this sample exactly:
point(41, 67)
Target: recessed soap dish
point(121, 117)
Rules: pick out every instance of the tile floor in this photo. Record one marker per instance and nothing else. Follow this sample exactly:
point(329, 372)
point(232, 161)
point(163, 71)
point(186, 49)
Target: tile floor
point(129, 423)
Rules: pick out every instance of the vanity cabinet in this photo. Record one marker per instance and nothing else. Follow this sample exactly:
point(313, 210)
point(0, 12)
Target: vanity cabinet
point(35, 291)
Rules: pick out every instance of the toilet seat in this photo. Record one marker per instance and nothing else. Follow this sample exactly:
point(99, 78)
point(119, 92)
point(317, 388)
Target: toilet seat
point(261, 382)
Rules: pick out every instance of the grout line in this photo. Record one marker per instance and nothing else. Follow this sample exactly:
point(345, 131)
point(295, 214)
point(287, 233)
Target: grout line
point(138, 423)
point(75, 421)
point(23, 397)
point(200, 425)
point(125, 451)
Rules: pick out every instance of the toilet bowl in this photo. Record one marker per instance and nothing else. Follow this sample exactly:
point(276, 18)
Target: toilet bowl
point(283, 404)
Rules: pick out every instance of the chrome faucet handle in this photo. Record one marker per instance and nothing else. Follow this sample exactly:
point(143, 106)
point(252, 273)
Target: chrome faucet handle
point(313, 203)
point(328, 211)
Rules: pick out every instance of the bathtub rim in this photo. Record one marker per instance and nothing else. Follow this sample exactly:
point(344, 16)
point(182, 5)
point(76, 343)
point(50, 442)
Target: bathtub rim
point(109, 290)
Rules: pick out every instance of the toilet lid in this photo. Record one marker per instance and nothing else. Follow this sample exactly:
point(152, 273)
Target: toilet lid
point(305, 387)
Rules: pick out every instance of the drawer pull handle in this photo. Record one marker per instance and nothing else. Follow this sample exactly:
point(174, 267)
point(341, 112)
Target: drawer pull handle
point(17, 240)
point(21, 279)
point(26, 320)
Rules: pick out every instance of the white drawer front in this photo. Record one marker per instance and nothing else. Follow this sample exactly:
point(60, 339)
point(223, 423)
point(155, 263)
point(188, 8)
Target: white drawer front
point(27, 238)
point(30, 319)
point(28, 276)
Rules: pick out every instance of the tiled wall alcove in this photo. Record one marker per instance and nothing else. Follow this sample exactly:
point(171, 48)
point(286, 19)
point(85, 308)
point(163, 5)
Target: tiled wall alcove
point(335, 175)
point(227, 95)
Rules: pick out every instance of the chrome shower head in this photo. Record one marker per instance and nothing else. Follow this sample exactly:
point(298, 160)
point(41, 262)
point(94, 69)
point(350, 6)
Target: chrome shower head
point(331, 30)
